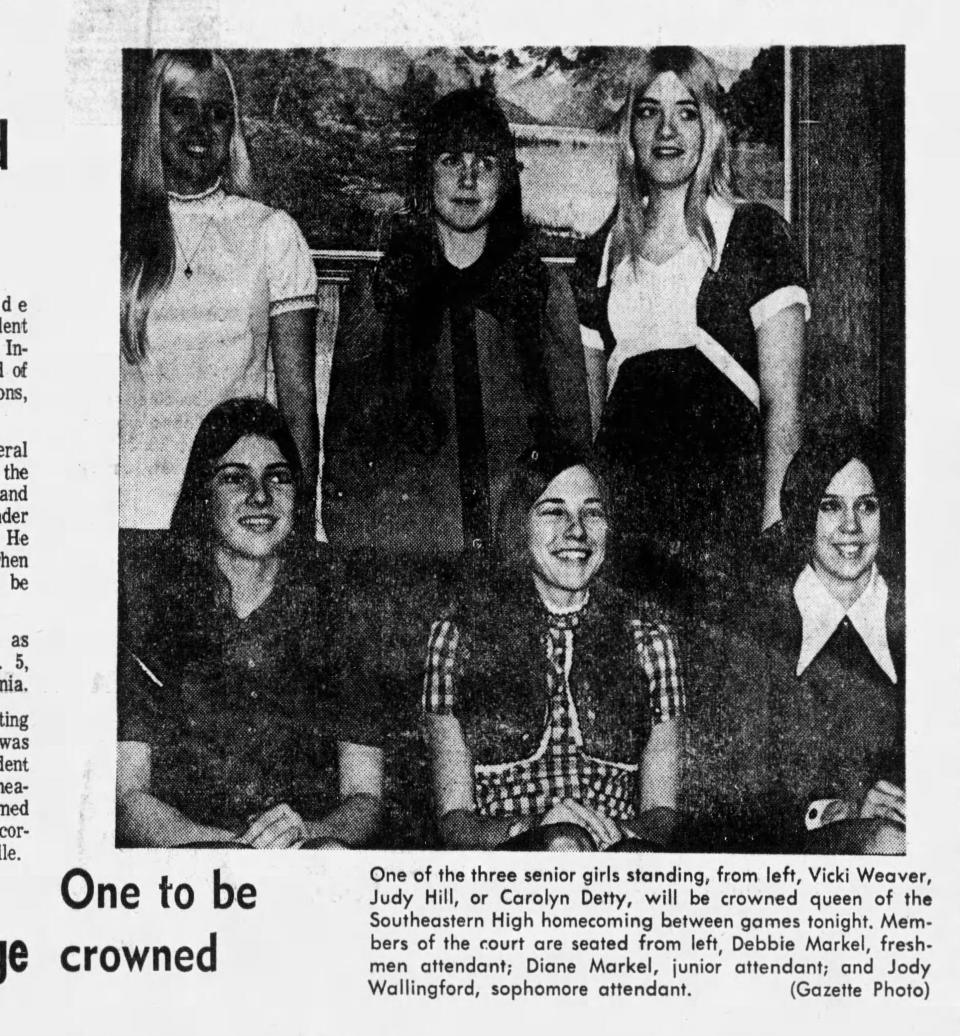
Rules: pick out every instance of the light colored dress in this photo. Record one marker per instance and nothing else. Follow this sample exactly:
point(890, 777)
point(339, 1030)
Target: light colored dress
point(207, 337)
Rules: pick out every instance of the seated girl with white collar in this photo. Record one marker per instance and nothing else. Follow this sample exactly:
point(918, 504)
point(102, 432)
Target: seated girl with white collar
point(810, 714)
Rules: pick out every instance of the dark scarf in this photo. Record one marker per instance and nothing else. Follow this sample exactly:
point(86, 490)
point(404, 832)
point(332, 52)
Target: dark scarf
point(414, 287)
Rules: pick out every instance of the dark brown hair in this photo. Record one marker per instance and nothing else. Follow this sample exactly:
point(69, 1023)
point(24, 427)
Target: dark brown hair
point(810, 472)
point(471, 120)
point(225, 425)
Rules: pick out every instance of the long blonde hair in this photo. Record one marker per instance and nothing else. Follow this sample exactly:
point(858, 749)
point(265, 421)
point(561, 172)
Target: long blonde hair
point(711, 178)
point(148, 248)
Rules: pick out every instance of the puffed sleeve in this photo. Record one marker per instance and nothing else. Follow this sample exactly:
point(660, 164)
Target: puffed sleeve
point(291, 277)
point(775, 276)
point(439, 680)
point(659, 659)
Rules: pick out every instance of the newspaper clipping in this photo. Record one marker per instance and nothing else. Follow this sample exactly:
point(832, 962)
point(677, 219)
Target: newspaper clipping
point(442, 446)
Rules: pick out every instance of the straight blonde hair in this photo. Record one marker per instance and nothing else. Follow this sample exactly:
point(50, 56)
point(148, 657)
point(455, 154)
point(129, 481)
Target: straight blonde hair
point(711, 178)
point(148, 249)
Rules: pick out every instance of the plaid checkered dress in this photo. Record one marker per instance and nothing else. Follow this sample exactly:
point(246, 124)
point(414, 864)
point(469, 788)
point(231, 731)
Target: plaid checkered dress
point(560, 768)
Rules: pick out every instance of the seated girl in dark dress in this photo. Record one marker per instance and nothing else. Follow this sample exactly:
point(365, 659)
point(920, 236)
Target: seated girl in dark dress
point(552, 701)
point(809, 724)
point(228, 731)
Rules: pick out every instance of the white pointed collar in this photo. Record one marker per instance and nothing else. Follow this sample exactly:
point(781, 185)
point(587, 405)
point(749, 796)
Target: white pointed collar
point(821, 613)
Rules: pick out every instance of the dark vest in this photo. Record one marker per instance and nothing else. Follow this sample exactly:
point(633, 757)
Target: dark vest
point(503, 692)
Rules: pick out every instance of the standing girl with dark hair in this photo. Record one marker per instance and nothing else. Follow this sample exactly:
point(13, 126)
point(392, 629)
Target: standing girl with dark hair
point(218, 292)
point(460, 353)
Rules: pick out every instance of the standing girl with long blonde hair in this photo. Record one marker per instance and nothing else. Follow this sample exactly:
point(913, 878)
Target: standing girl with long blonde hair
point(218, 292)
point(693, 309)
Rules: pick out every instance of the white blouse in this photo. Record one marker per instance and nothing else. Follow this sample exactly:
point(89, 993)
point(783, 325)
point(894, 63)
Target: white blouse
point(206, 339)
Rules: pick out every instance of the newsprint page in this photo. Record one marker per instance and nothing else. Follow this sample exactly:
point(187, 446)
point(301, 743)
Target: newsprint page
point(444, 444)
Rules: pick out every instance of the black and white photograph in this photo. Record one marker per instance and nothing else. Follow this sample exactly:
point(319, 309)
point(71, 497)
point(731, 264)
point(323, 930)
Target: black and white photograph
point(512, 449)
point(502, 459)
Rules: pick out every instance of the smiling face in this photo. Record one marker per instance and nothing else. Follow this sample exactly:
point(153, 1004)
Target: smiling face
point(196, 123)
point(252, 499)
point(567, 537)
point(667, 132)
point(466, 189)
point(847, 532)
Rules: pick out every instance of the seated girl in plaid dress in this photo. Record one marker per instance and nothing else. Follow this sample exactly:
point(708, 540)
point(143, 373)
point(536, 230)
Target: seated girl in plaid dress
point(552, 701)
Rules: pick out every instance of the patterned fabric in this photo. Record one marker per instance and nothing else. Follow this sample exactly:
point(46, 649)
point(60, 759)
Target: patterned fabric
point(561, 767)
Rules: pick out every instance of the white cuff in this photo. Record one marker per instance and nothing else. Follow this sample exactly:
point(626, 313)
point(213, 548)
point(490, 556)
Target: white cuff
point(591, 339)
point(815, 812)
point(293, 304)
point(772, 304)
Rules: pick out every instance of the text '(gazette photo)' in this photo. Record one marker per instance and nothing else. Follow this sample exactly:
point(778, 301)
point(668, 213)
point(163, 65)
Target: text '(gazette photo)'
point(512, 450)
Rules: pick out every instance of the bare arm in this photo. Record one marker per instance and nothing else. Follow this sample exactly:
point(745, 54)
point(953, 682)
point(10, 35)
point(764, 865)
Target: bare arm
point(659, 778)
point(460, 825)
point(293, 347)
point(780, 346)
point(360, 812)
point(143, 820)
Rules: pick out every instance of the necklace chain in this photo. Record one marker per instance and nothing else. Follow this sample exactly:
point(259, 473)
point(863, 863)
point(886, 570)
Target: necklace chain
point(188, 260)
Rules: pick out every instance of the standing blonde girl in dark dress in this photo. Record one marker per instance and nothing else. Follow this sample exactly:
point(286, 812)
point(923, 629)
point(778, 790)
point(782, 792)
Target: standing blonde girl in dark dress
point(693, 307)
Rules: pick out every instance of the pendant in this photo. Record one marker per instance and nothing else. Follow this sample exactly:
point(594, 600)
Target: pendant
point(187, 272)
